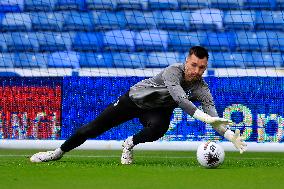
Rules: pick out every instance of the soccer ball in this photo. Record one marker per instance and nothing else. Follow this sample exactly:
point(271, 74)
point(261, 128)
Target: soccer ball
point(210, 154)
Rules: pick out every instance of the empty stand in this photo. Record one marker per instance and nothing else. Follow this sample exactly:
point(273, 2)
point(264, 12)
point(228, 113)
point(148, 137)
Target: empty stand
point(151, 40)
point(129, 60)
point(88, 41)
point(89, 60)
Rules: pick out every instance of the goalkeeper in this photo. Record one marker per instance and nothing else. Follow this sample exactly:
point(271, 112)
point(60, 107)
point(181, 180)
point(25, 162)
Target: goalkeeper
point(153, 101)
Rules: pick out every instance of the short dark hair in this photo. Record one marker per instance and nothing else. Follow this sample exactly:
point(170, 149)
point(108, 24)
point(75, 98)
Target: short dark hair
point(199, 51)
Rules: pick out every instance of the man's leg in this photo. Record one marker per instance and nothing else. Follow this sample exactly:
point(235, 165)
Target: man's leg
point(156, 123)
point(122, 110)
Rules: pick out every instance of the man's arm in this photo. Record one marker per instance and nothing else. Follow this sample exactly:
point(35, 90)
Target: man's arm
point(208, 106)
point(172, 78)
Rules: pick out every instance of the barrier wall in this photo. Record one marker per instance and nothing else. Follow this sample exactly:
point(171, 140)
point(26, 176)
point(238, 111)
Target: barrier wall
point(52, 108)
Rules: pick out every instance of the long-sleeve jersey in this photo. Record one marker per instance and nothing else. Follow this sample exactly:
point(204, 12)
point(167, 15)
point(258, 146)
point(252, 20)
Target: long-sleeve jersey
point(169, 88)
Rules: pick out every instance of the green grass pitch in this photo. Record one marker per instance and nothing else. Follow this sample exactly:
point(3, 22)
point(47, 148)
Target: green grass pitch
point(152, 170)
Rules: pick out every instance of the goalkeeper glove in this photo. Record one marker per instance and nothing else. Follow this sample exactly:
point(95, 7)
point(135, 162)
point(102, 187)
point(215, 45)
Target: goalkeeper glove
point(236, 139)
point(214, 121)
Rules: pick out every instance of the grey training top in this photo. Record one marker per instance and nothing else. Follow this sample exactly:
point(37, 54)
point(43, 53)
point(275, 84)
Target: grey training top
point(169, 88)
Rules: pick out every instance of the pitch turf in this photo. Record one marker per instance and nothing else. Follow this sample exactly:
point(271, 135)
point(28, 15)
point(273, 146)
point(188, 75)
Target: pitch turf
point(152, 169)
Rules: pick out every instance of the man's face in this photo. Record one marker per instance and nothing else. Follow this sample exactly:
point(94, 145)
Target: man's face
point(195, 67)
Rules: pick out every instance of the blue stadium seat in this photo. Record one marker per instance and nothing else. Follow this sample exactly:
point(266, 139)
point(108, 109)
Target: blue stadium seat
point(47, 21)
point(30, 60)
point(95, 60)
point(7, 60)
point(279, 4)
point(101, 4)
point(3, 41)
point(119, 40)
point(16, 22)
point(272, 20)
point(264, 59)
point(67, 59)
point(42, 5)
point(22, 41)
point(276, 40)
point(88, 41)
point(2, 15)
point(193, 4)
point(183, 41)
point(244, 19)
point(139, 20)
point(79, 5)
point(11, 5)
point(227, 60)
point(163, 4)
point(133, 4)
point(162, 59)
point(226, 4)
point(79, 21)
point(129, 60)
point(259, 4)
point(105, 20)
point(207, 19)
point(172, 20)
point(220, 41)
point(251, 41)
point(151, 40)
point(54, 41)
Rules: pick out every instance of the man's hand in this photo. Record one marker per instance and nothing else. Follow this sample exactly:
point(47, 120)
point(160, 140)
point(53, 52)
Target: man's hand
point(236, 139)
point(217, 121)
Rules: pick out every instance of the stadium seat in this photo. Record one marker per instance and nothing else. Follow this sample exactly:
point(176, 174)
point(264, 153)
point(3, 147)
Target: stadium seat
point(16, 22)
point(206, 19)
point(30, 60)
point(47, 21)
point(3, 41)
point(22, 41)
point(272, 20)
point(79, 5)
point(78, 21)
point(183, 41)
point(163, 4)
point(162, 59)
point(87, 41)
point(119, 40)
point(133, 4)
point(226, 4)
point(264, 59)
point(7, 60)
point(227, 60)
point(259, 4)
point(42, 5)
point(279, 4)
point(151, 40)
point(129, 60)
point(11, 5)
point(276, 40)
point(95, 60)
point(172, 20)
point(105, 20)
point(101, 4)
point(67, 59)
point(193, 4)
point(54, 41)
point(251, 41)
point(137, 20)
point(220, 41)
point(244, 19)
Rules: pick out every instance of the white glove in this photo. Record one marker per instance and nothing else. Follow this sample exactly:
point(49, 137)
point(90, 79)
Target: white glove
point(236, 139)
point(214, 121)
